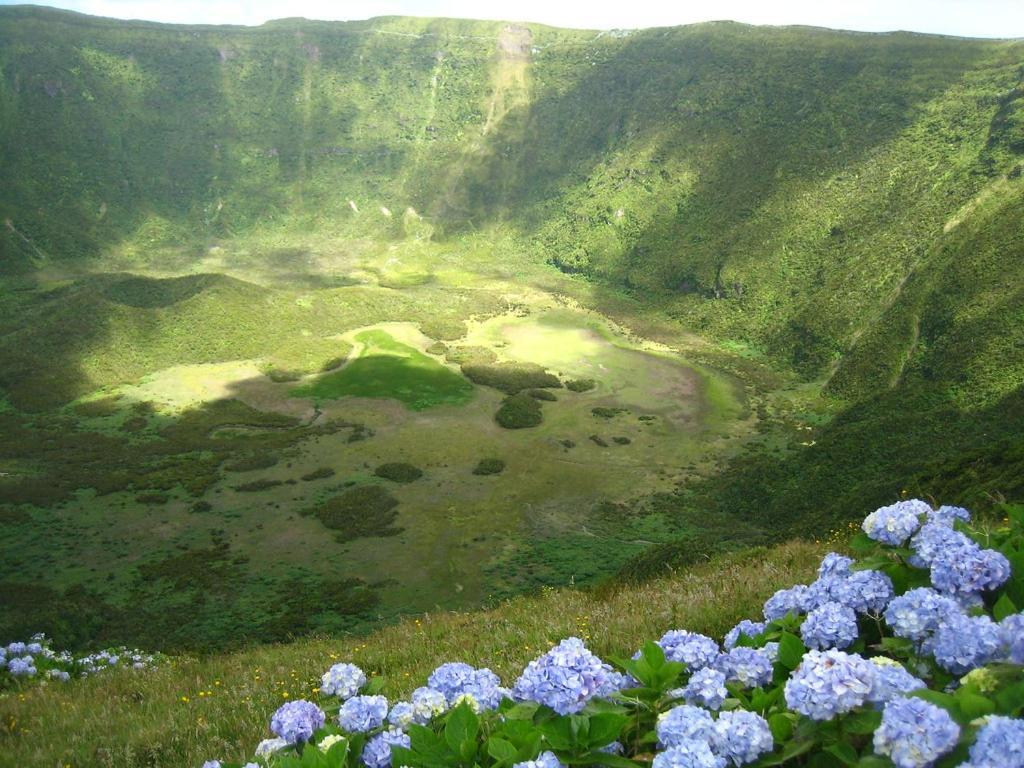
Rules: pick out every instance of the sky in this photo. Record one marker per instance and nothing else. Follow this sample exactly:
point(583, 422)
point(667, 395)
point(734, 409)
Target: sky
point(970, 18)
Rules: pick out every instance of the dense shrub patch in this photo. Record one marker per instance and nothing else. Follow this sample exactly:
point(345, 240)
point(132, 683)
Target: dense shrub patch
point(489, 467)
point(366, 510)
point(399, 472)
point(511, 378)
point(519, 412)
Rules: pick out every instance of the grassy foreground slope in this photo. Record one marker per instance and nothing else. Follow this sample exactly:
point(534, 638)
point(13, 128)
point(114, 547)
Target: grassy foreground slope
point(220, 706)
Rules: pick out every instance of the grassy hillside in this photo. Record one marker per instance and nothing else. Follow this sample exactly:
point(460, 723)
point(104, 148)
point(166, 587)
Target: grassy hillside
point(182, 714)
point(804, 247)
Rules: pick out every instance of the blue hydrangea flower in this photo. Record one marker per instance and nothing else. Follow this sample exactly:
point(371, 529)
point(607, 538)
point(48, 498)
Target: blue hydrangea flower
point(746, 627)
point(785, 601)
point(970, 570)
point(34, 649)
point(892, 681)
point(363, 713)
point(684, 723)
point(948, 515)
point(918, 612)
point(566, 678)
point(819, 592)
point(694, 650)
point(21, 667)
point(689, 754)
point(456, 679)
point(829, 683)
point(741, 737)
point(377, 752)
point(402, 714)
point(59, 674)
point(705, 688)
point(1012, 629)
point(936, 540)
point(962, 643)
point(1000, 744)
point(427, 704)
point(771, 650)
point(895, 523)
point(544, 760)
point(831, 626)
point(296, 721)
point(834, 566)
point(864, 591)
point(750, 667)
point(211, 764)
point(914, 733)
point(15, 649)
point(343, 681)
point(615, 748)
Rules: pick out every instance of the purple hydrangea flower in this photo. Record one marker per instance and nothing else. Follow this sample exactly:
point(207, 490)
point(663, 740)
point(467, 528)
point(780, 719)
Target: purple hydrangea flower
point(21, 667)
point(343, 681)
point(785, 601)
point(834, 566)
point(705, 688)
point(361, 714)
point(377, 752)
point(296, 721)
point(684, 723)
point(750, 667)
point(936, 540)
point(746, 627)
point(963, 643)
point(969, 571)
point(544, 760)
point(914, 733)
point(694, 650)
point(456, 680)
point(833, 625)
point(15, 649)
point(741, 737)
point(1000, 744)
point(918, 612)
point(566, 678)
point(688, 754)
point(948, 515)
point(829, 683)
point(892, 681)
point(268, 747)
point(1012, 628)
point(864, 591)
point(895, 523)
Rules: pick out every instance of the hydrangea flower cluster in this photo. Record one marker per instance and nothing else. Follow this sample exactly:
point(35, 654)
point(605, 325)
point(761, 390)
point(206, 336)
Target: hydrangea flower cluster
point(458, 681)
point(832, 625)
point(295, 721)
point(749, 667)
point(377, 752)
point(544, 760)
point(963, 643)
point(694, 650)
point(738, 737)
point(343, 681)
point(830, 683)
point(746, 628)
point(914, 733)
point(566, 678)
point(36, 660)
point(897, 522)
point(361, 714)
point(706, 688)
point(1000, 744)
point(892, 680)
point(917, 613)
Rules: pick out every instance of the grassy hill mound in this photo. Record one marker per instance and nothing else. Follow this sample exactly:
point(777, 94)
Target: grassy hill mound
point(179, 715)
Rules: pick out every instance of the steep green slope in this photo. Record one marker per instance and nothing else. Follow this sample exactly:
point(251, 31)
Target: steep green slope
point(838, 217)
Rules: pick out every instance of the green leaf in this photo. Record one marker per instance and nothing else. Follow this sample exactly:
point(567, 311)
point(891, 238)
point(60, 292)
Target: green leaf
point(974, 705)
point(1004, 607)
point(501, 750)
point(781, 724)
point(558, 733)
point(791, 650)
point(846, 754)
point(460, 731)
point(864, 722)
point(523, 711)
point(600, 758)
point(653, 654)
point(605, 728)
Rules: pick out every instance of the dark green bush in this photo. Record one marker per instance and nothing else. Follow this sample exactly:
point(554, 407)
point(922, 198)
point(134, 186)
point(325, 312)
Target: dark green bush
point(541, 394)
point(367, 510)
point(604, 412)
point(319, 474)
point(519, 412)
point(399, 472)
point(258, 485)
point(251, 463)
point(489, 467)
point(580, 385)
point(511, 378)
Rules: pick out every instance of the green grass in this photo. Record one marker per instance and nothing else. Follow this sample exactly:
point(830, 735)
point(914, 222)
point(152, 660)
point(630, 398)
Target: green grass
point(386, 368)
point(219, 706)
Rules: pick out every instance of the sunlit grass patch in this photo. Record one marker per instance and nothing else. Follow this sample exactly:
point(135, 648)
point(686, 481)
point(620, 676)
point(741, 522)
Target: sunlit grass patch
point(386, 368)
